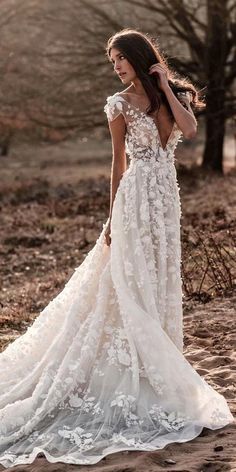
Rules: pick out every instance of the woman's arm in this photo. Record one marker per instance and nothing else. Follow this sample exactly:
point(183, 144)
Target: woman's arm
point(183, 113)
point(117, 130)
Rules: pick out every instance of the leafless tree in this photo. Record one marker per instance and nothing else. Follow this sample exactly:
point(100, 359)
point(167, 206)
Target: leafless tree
point(48, 68)
point(201, 34)
point(54, 73)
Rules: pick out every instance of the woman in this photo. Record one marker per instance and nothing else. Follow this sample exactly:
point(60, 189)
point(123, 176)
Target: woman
point(101, 369)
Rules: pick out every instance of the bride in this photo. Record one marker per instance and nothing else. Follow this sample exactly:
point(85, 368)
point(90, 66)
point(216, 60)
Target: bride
point(102, 369)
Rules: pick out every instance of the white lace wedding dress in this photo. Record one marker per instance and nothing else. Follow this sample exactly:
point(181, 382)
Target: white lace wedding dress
point(102, 368)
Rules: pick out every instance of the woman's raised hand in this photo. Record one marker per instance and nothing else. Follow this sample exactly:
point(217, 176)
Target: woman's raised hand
point(161, 72)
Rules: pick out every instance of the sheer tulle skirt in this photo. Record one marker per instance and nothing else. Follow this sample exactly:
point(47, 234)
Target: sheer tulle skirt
point(101, 369)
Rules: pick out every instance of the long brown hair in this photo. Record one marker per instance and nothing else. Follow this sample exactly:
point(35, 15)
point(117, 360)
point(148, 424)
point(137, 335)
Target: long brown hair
point(142, 52)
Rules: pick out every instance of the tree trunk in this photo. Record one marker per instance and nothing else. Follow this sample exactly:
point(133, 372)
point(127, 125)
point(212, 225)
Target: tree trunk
point(216, 54)
point(215, 132)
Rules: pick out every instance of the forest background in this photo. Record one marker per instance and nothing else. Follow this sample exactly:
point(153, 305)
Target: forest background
point(55, 159)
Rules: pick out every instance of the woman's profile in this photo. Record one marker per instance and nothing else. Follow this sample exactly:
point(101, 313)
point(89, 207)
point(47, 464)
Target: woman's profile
point(102, 369)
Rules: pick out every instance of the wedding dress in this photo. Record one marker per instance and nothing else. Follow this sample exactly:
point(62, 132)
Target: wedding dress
point(102, 369)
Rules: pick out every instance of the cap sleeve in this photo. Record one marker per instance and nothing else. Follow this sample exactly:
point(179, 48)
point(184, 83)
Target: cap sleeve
point(113, 107)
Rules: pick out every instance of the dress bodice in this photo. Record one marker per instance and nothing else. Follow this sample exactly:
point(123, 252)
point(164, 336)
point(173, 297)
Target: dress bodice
point(142, 139)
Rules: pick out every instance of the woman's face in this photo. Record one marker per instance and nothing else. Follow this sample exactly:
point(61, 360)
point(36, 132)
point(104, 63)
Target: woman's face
point(122, 66)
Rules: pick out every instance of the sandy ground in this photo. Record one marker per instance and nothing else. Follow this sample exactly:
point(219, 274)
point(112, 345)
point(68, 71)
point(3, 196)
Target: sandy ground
point(210, 349)
point(52, 208)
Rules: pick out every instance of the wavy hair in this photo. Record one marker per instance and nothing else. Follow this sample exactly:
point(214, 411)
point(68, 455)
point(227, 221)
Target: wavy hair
point(142, 52)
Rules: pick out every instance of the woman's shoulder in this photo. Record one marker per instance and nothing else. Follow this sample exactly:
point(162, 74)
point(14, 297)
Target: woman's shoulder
point(116, 97)
point(121, 94)
point(115, 105)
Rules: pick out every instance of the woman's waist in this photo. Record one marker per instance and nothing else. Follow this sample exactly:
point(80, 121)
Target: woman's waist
point(159, 160)
point(146, 168)
point(162, 156)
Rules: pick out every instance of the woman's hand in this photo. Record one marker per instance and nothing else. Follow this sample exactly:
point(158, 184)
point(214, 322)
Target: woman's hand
point(161, 72)
point(108, 233)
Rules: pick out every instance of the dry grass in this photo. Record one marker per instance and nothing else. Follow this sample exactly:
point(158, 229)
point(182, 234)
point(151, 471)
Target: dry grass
point(49, 223)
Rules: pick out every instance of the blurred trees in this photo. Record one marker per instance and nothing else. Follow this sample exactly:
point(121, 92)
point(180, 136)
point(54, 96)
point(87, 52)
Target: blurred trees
point(54, 74)
point(208, 29)
point(220, 68)
point(51, 76)
point(201, 34)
